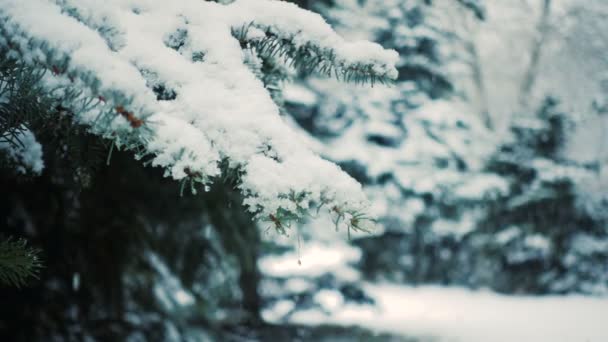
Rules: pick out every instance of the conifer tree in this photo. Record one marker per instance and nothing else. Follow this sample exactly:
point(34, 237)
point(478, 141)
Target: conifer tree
point(446, 184)
point(538, 237)
point(91, 93)
point(413, 145)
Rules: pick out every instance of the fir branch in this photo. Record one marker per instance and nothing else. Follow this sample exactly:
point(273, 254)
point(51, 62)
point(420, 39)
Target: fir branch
point(310, 58)
point(97, 96)
point(18, 262)
point(22, 100)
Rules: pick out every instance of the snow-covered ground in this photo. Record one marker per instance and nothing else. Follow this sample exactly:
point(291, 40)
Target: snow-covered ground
point(438, 313)
point(453, 314)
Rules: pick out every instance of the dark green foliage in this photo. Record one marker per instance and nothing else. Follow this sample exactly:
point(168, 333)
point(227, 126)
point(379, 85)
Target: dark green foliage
point(542, 206)
point(18, 262)
point(103, 234)
point(95, 227)
point(21, 100)
point(543, 135)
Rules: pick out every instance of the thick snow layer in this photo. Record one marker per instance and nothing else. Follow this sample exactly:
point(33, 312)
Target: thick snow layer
point(454, 314)
point(117, 51)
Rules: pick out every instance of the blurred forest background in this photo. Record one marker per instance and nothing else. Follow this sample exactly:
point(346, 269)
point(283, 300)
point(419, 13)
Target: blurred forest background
point(486, 163)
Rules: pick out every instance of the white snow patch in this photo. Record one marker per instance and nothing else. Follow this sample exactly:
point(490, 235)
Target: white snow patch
point(316, 259)
point(297, 285)
point(454, 314)
point(329, 300)
point(296, 93)
point(506, 235)
point(537, 241)
point(27, 154)
point(278, 310)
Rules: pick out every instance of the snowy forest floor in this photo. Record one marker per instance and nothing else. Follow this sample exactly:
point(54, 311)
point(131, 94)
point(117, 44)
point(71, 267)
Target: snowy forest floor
point(427, 313)
point(454, 314)
point(439, 314)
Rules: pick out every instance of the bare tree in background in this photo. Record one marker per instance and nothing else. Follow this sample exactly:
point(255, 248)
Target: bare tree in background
point(463, 29)
point(535, 56)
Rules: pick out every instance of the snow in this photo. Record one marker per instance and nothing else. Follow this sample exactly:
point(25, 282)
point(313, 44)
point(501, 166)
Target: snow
point(297, 285)
point(410, 153)
point(330, 300)
point(455, 314)
point(297, 93)
point(287, 20)
point(420, 161)
point(586, 244)
point(316, 258)
point(433, 312)
point(169, 290)
point(222, 112)
point(460, 228)
point(537, 241)
point(507, 235)
point(27, 154)
point(280, 309)
point(481, 185)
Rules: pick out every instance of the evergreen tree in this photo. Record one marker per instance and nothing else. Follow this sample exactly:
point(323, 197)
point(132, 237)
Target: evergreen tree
point(538, 237)
point(191, 87)
point(446, 185)
point(413, 145)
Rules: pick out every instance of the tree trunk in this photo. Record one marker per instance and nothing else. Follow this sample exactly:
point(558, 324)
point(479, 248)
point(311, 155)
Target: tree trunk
point(536, 48)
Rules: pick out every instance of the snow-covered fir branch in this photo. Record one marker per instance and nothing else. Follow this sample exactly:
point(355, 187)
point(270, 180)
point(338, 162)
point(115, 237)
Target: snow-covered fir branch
point(168, 80)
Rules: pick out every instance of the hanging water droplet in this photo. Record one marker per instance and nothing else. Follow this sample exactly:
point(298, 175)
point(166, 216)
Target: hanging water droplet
point(207, 188)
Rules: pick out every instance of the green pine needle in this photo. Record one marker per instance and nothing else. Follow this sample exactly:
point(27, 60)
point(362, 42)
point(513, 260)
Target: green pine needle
point(18, 262)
